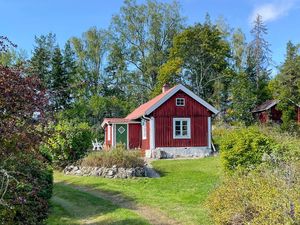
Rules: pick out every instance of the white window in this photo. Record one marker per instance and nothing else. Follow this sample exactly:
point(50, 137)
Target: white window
point(108, 132)
point(181, 128)
point(180, 102)
point(144, 130)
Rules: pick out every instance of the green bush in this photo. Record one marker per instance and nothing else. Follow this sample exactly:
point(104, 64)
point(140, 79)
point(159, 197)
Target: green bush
point(30, 182)
point(264, 196)
point(119, 156)
point(70, 142)
point(244, 148)
point(218, 132)
point(269, 193)
point(288, 145)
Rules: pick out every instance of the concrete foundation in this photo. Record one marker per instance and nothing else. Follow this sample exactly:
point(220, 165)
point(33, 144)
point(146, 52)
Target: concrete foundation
point(178, 152)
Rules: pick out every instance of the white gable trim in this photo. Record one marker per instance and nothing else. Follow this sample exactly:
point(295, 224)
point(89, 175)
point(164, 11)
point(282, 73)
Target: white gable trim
point(188, 92)
point(110, 123)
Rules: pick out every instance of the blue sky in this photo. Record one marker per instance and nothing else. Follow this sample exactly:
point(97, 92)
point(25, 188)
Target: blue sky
point(21, 20)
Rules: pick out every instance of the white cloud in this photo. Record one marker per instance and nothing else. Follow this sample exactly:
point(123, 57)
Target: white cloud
point(273, 11)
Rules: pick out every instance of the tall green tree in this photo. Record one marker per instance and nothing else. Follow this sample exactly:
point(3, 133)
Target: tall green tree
point(59, 82)
point(70, 68)
point(259, 59)
point(117, 72)
point(238, 48)
point(287, 85)
point(242, 88)
point(40, 61)
point(146, 32)
point(90, 50)
point(201, 57)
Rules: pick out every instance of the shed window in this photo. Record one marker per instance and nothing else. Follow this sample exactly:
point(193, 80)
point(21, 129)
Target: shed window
point(181, 128)
point(108, 132)
point(144, 130)
point(180, 102)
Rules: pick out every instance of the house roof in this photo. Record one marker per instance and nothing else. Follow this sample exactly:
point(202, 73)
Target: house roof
point(140, 111)
point(154, 103)
point(265, 106)
point(116, 120)
point(148, 107)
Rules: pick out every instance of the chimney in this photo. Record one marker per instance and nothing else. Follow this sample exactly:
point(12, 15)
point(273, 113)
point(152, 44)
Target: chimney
point(165, 88)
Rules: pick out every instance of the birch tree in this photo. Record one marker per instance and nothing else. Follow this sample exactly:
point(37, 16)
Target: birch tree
point(146, 33)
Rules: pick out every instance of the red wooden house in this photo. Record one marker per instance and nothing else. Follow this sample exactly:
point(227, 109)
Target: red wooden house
point(177, 122)
point(267, 112)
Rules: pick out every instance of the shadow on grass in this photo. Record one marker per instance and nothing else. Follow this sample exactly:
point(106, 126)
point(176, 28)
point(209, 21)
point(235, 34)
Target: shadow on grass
point(119, 222)
point(71, 205)
point(161, 172)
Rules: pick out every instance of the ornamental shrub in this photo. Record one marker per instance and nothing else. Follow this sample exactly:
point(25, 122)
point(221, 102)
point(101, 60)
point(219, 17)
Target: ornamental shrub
point(244, 148)
point(118, 156)
point(70, 142)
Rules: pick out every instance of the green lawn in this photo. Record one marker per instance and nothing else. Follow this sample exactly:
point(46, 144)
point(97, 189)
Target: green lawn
point(180, 193)
point(70, 206)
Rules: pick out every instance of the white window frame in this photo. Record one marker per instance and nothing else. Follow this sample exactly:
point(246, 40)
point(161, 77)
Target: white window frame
point(188, 136)
point(144, 129)
point(108, 132)
point(181, 99)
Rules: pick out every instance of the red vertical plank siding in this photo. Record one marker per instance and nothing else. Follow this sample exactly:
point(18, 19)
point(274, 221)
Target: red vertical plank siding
point(146, 142)
point(164, 122)
point(134, 136)
point(263, 117)
point(275, 114)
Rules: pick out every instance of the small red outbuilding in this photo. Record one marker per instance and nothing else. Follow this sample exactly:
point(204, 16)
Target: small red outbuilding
point(268, 112)
point(177, 122)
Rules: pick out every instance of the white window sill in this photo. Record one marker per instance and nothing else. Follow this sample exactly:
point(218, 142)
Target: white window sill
point(185, 137)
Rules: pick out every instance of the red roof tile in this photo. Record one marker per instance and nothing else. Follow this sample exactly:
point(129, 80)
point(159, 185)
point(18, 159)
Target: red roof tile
point(141, 110)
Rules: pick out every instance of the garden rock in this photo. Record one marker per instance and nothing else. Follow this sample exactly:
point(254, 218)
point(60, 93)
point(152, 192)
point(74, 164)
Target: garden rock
point(113, 172)
point(161, 154)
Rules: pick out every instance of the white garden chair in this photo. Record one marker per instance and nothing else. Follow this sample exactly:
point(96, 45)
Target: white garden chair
point(97, 146)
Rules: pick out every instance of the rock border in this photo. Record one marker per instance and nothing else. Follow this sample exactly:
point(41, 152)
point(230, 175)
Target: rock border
point(113, 172)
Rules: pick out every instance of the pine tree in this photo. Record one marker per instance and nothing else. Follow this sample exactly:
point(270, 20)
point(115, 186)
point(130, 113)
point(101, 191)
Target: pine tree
point(258, 60)
point(70, 69)
point(41, 59)
point(59, 85)
point(287, 88)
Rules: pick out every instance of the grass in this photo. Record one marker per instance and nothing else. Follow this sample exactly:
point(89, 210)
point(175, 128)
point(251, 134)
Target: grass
point(71, 207)
point(180, 193)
